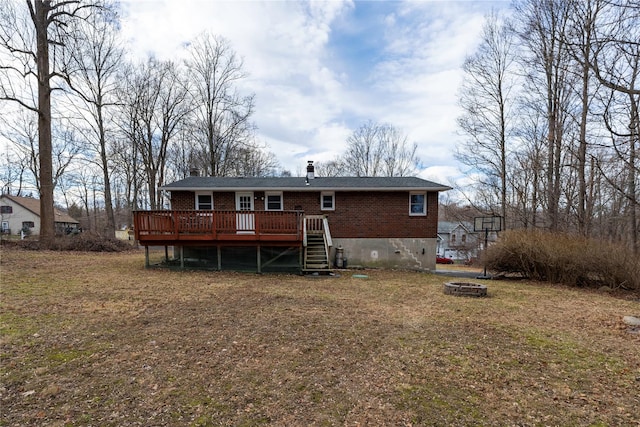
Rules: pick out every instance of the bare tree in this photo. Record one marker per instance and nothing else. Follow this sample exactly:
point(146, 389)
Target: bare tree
point(364, 152)
point(254, 160)
point(126, 153)
point(85, 189)
point(615, 61)
point(575, 162)
point(331, 168)
point(486, 98)
point(155, 107)
point(526, 171)
point(12, 173)
point(376, 149)
point(95, 56)
point(221, 119)
point(542, 28)
point(22, 133)
point(27, 37)
point(579, 40)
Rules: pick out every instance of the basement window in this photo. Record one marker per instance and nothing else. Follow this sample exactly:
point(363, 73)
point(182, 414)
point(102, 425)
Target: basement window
point(417, 203)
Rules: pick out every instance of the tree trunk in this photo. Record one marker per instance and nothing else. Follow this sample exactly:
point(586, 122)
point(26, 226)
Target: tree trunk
point(110, 227)
point(47, 217)
point(633, 201)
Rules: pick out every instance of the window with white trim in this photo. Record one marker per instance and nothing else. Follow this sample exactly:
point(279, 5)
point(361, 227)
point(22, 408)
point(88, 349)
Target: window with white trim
point(273, 201)
point(327, 201)
point(204, 201)
point(417, 203)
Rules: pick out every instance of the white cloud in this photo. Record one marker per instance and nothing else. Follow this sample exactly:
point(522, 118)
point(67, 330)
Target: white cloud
point(320, 69)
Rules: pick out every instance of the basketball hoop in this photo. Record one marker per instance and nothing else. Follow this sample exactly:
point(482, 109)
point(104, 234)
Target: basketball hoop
point(487, 224)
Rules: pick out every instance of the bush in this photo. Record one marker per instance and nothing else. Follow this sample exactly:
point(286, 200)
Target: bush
point(564, 258)
point(85, 242)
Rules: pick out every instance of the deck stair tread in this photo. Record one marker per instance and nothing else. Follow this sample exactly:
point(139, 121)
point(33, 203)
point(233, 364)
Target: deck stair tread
point(316, 254)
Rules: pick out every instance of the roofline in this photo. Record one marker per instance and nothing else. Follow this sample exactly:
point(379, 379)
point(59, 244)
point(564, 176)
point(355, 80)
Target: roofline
point(10, 197)
point(307, 188)
point(56, 212)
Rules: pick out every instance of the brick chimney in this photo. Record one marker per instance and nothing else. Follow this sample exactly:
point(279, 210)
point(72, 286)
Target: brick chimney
point(310, 169)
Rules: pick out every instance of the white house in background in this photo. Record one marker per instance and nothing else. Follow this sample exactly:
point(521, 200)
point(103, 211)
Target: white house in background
point(458, 241)
point(18, 213)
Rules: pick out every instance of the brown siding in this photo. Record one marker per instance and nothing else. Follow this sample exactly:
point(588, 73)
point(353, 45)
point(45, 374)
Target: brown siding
point(357, 214)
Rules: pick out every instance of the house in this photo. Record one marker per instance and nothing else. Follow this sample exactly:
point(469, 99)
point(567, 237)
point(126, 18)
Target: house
point(457, 240)
point(305, 223)
point(19, 214)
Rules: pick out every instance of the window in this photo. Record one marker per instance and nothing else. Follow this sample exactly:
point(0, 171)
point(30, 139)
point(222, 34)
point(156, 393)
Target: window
point(273, 201)
point(204, 202)
point(453, 239)
point(5, 226)
point(327, 201)
point(464, 239)
point(28, 224)
point(244, 201)
point(6, 209)
point(417, 203)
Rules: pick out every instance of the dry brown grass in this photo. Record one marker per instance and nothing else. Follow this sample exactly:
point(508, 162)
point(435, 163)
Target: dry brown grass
point(97, 340)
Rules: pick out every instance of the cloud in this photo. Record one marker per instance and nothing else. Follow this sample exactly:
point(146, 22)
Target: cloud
point(321, 69)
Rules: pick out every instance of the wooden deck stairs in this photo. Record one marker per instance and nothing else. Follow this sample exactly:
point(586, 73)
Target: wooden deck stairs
point(317, 244)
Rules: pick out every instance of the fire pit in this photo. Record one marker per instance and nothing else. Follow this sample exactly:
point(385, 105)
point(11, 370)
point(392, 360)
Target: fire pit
point(465, 289)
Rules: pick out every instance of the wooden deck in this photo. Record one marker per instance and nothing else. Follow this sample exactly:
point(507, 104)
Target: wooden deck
point(202, 227)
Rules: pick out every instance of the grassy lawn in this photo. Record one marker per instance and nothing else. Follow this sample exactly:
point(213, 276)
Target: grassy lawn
point(95, 339)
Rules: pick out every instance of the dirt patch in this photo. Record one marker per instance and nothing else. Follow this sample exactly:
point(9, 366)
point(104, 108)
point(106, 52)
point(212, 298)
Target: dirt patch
point(95, 339)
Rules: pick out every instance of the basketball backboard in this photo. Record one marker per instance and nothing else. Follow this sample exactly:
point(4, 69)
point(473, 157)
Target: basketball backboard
point(487, 223)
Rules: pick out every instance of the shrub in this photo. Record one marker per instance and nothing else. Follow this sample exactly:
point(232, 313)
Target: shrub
point(85, 242)
point(564, 258)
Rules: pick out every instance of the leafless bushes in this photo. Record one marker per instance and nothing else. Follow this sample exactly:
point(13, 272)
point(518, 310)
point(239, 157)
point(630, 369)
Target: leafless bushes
point(86, 242)
point(564, 258)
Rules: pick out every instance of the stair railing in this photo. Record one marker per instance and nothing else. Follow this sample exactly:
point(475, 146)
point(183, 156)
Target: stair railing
point(327, 233)
point(317, 225)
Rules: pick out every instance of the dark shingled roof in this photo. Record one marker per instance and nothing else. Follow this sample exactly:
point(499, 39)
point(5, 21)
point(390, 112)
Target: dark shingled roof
point(198, 183)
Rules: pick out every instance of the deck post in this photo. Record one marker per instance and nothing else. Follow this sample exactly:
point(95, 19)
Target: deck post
point(146, 256)
point(219, 257)
point(182, 257)
point(259, 264)
point(166, 254)
point(301, 257)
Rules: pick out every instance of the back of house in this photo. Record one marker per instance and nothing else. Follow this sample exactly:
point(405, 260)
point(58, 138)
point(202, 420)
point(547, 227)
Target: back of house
point(357, 221)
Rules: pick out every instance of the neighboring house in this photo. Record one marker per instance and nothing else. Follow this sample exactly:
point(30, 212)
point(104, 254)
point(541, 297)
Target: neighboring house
point(23, 213)
point(274, 224)
point(457, 240)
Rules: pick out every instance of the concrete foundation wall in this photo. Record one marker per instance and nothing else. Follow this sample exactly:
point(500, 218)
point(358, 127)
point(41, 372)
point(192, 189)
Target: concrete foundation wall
point(413, 254)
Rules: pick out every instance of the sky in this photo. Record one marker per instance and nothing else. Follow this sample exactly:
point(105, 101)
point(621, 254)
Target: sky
point(319, 70)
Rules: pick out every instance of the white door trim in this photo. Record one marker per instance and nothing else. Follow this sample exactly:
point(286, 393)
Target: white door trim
point(245, 222)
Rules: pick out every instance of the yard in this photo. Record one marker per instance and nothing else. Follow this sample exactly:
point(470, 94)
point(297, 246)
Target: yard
point(95, 339)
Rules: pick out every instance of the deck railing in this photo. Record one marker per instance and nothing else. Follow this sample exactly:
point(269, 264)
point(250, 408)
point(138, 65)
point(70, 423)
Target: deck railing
point(316, 224)
point(185, 225)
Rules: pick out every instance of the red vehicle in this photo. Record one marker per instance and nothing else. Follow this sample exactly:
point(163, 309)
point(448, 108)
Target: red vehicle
point(443, 260)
